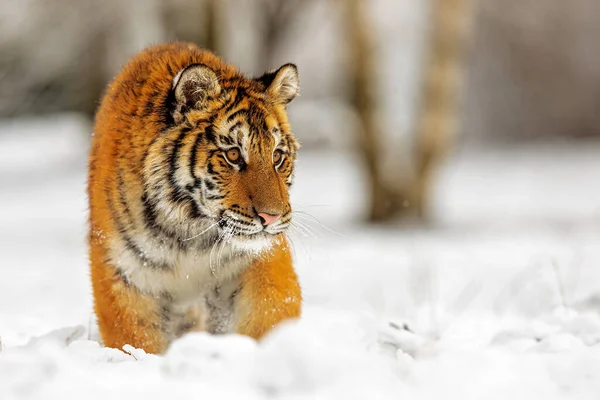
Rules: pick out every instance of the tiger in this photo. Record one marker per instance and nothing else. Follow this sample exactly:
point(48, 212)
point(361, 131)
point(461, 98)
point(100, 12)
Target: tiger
point(190, 168)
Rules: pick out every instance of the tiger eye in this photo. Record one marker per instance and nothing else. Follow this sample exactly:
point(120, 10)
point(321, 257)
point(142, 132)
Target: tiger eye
point(233, 155)
point(277, 156)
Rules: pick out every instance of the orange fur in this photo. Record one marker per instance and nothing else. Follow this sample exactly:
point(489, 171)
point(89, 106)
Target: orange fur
point(125, 316)
point(270, 293)
point(148, 167)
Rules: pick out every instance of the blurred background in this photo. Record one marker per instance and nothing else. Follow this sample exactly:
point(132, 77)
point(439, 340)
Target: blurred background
point(459, 116)
point(401, 84)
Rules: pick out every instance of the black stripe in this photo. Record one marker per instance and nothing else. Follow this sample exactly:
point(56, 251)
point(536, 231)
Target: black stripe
point(234, 127)
point(237, 211)
point(119, 274)
point(209, 185)
point(194, 154)
point(178, 195)
point(245, 232)
point(123, 197)
point(147, 151)
point(142, 258)
point(209, 167)
point(167, 109)
point(226, 139)
point(129, 243)
point(148, 109)
point(241, 111)
point(177, 144)
point(210, 133)
point(116, 218)
point(240, 222)
point(154, 226)
point(239, 96)
point(171, 71)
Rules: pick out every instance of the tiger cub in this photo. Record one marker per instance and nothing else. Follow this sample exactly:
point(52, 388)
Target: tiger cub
point(189, 172)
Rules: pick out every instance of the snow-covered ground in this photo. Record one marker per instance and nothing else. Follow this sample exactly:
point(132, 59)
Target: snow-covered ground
point(500, 298)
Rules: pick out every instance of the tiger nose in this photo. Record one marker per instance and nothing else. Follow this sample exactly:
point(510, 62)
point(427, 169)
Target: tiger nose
point(267, 219)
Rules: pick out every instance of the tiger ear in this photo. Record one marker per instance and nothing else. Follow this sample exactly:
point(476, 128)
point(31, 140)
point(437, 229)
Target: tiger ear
point(193, 86)
point(281, 85)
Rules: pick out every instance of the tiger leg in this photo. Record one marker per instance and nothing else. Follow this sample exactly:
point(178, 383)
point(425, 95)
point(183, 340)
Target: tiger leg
point(269, 293)
point(125, 315)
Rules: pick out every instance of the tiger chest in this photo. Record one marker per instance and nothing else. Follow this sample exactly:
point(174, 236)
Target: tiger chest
point(194, 289)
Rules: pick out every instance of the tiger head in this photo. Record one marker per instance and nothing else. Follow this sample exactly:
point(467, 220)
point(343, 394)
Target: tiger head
point(238, 149)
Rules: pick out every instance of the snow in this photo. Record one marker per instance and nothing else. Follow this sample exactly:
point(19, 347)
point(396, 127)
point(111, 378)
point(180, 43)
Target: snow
point(500, 298)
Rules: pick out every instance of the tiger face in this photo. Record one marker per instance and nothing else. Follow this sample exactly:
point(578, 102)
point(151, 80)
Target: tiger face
point(236, 154)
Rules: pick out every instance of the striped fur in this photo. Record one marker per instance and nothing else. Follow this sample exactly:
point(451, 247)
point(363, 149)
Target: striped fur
point(176, 243)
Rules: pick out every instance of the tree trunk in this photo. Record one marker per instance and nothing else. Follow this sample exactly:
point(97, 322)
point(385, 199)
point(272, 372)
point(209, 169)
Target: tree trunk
point(385, 201)
point(277, 15)
point(443, 74)
point(211, 33)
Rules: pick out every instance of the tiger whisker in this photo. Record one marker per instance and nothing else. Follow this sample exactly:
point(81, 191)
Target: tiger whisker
point(307, 228)
point(294, 227)
point(315, 219)
point(293, 244)
point(302, 229)
point(203, 232)
point(210, 257)
point(226, 239)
